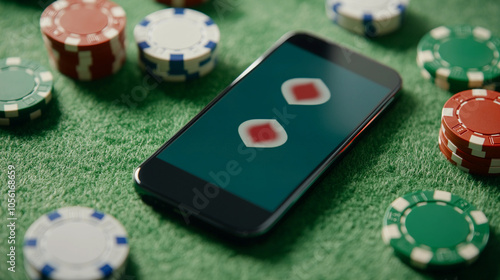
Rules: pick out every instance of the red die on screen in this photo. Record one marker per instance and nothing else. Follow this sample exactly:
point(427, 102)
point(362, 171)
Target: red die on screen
point(262, 133)
point(305, 91)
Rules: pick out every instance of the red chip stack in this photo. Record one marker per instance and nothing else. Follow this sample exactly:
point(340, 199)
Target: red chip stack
point(470, 131)
point(182, 3)
point(85, 39)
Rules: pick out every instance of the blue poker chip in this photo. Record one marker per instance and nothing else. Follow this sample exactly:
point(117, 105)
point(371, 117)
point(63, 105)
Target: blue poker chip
point(367, 17)
point(75, 243)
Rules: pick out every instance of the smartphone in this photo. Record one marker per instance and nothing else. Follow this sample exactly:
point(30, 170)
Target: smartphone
point(249, 155)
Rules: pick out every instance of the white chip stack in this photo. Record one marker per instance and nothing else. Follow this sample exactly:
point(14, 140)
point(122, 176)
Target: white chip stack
point(177, 44)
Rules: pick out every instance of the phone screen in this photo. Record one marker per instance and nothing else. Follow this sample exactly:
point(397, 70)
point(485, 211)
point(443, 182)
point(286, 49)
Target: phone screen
point(274, 127)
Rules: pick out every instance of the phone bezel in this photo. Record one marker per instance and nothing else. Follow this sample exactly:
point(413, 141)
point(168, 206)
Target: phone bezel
point(232, 213)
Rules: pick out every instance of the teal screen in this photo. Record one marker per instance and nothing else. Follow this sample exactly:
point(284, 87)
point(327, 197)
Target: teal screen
point(212, 149)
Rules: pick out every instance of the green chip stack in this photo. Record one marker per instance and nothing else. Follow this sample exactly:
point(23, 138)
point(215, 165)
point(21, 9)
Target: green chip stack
point(460, 57)
point(26, 89)
point(435, 230)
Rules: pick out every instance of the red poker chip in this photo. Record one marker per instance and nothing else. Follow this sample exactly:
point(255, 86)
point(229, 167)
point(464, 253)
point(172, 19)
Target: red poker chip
point(88, 73)
point(182, 3)
point(111, 48)
point(96, 70)
point(85, 39)
point(486, 162)
point(465, 165)
point(95, 61)
point(84, 57)
point(466, 149)
point(88, 60)
point(82, 25)
point(471, 120)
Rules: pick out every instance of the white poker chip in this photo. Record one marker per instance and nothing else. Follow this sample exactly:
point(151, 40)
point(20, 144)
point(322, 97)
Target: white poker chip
point(75, 243)
point(367, 17)
point(186, 75)
point(177, 34)
point(167, 66)
point(33, 274)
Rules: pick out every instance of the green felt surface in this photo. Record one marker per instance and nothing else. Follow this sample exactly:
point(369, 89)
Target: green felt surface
point(84, 150)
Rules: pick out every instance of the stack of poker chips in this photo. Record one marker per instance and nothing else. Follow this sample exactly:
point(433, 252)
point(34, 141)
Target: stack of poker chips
point(85, 39)
point(367, 17)
point(182, 3)
point(177, 44)
point(75, 243)
point(26, 90)
point(470, 131)
point(460, 57)
point(435, 230)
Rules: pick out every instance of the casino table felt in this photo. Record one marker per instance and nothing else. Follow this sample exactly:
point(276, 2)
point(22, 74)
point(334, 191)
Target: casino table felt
point(84, 149)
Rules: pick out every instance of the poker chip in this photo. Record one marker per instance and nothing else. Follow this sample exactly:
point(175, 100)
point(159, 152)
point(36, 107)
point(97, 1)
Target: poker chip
point(177, 44)
point(445, 85)
point(367, 17)
point(26, 90)
point(435, 230)
point(85, 39)
point(33, 274)
point(460, 57)
point(470, 132)
point(478, 161)
point(465, 164)
point(87, 71)
point(182, 3)
point(178, 75)
point(75, 243)
point(470, 120)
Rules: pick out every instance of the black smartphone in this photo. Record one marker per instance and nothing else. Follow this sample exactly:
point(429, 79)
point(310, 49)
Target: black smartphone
point(263, 141)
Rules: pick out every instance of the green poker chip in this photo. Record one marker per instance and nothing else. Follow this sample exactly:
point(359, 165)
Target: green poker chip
point(463, 55)
point(435, 230)
point(455, 87)
point(25, 90)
